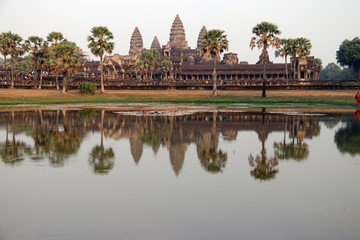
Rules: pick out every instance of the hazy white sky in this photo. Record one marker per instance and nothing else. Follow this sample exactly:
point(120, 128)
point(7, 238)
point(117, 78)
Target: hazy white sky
point(325, 22)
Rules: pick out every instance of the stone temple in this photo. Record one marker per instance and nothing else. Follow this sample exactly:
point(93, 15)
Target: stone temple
point(190, 64)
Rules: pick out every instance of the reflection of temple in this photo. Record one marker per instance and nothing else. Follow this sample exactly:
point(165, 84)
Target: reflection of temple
point(175, 133)
point(189, 63)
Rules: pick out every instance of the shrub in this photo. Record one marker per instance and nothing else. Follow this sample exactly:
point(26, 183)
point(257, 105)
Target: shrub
point(87, 88)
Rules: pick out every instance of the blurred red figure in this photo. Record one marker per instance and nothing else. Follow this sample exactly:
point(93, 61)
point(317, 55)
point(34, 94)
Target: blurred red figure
point(357, 114)
point(357, 97)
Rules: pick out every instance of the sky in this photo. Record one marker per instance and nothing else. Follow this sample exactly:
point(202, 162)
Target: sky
point(327, 23)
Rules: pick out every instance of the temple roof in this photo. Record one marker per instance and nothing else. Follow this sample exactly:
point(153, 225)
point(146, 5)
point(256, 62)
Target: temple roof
point(136, 42)
point(202, 33)
point(177, 34)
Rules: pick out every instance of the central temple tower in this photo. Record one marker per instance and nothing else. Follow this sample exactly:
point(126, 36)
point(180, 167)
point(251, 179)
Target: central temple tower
point(177, 35)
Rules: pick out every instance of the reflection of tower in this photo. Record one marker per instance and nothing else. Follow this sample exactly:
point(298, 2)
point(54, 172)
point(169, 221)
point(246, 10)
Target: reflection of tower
point(177, 156)
point(136, 148)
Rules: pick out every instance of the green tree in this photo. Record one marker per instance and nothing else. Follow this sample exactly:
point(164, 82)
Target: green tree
point(54, 38)
point(303, 49)
point(284, 51)
point(99, 44)
point(24, 66)
point(15, 50)
point(332, 71)
point(167, 67)
point(349, 55)
point(214, 43)
point(66, 60)
point(265, 36)
point(4, 49)
point(39, 52)
point(149, 60)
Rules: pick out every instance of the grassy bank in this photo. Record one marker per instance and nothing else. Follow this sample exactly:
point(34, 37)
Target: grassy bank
point(14, 97)
point(217, 100)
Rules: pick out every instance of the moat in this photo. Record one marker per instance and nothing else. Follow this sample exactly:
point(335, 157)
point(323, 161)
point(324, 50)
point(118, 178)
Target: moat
point(179, 173)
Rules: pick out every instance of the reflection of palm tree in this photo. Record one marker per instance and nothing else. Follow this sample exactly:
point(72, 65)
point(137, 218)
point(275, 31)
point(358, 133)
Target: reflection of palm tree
point(298, 151)
point(57, 145)
point(12, 152)
point(265, 167)
point(101, 158)
point(212, 160)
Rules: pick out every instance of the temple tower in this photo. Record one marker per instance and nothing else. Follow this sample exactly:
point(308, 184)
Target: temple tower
point(155, 45)
point(177, 35)
point(200, 38)
point(136, 43)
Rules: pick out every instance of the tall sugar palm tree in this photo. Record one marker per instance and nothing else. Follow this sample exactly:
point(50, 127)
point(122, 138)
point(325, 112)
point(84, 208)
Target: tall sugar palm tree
point(54, 38)
point(214, 43)
point(150, 59)
point(166, 66)
point(303, 49)
point(36, 45)
point(66, 60)
point(15, 50)
point(284, 51)
point(4, 49)
point(99, 44)
point(265, 36)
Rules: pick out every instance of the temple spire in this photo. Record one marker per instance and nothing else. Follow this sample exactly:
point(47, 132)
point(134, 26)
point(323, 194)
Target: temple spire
point(177, 35)
point(200, 40)
point(136, 42)
point(155, 45)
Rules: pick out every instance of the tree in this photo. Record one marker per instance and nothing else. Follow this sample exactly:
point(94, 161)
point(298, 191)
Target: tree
point(284, 51)
point(66, 60)
point(23, 67)
point(214, 43)
point(349, 55)
point(149, 60)
point(303, 49)
point(15, 49)
point(166, 66)
point(332, 71)
point(54, 38)
point(39, 56)
point(99, 44)
point(4, 49)
point(265, 36)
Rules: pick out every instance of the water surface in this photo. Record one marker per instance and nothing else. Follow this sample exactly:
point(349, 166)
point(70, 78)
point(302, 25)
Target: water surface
point(179, 174)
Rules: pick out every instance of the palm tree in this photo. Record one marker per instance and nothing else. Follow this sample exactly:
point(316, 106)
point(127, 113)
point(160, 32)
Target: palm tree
point(66, 60)
point(150, 60)
point(39, 53)
point(54, 38)
point(214, 43)
point(99, 44)
point(4, 49)
point(265, 36)
point(166, 66)
point(284, 51)
point(15, 50)
point(303, 47)
point(319, 66)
